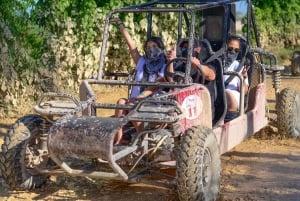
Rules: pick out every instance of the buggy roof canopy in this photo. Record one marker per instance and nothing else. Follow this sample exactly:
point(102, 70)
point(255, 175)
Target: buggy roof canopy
point(182, 2)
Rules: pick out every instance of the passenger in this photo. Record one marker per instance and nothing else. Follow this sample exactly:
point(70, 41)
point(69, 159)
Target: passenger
point(232, 88)
point(149, 67)
point(196, 62)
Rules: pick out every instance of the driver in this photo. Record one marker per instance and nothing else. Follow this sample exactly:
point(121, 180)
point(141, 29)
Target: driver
point(208, 70)
point(197, 57)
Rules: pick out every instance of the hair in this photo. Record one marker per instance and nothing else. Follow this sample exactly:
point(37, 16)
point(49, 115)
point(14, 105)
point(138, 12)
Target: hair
point(182, 41)
point(186, 40)
point(156, 40)
point(232, 37)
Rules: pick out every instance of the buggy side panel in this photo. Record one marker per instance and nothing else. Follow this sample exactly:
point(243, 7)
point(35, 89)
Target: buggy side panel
point(195, 100)
point(246, 125)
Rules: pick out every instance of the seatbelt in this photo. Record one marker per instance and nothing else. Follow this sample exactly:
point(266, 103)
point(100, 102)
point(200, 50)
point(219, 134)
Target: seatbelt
point(216, 55)
point(239, 69)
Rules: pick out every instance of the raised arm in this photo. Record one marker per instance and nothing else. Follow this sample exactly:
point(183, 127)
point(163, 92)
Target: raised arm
point(130, 42)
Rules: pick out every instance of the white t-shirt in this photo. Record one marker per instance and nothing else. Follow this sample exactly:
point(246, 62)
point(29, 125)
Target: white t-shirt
point(234, 84)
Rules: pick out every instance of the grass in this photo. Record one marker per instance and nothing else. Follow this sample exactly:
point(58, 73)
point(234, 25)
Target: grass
point(283, 55)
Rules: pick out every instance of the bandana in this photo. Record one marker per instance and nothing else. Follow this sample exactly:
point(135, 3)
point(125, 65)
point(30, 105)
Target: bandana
point(155, 61)
point(230, 57)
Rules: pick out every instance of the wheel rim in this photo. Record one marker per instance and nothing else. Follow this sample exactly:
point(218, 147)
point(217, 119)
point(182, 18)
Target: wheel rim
point(34, 156)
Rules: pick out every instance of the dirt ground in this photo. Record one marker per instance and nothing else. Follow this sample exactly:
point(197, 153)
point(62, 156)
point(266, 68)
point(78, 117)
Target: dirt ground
point(263, 168)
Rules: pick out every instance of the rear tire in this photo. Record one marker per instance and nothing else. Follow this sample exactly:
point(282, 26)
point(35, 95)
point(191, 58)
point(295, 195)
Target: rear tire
point(288, 112)
point(21, 154)
point(198, 166)
point(295, 66)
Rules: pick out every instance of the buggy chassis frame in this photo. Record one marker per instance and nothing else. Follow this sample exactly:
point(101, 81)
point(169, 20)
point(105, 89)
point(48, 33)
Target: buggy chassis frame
point(73, 128)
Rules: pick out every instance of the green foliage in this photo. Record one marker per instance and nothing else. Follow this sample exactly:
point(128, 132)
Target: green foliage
point(57, 42)
point(279, 21)
point(21, 47)
point(24, 39)
point(283, 54)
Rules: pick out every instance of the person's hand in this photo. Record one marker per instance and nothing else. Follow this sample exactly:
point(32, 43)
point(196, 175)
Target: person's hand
point(171, 54)
point(132, 101)
point(244, 71)
point(117, 21)
point(195, 62)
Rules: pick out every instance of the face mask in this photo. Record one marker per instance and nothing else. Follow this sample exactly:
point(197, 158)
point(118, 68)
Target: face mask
point(183, 51)
point(153, 54)
point(230, 57)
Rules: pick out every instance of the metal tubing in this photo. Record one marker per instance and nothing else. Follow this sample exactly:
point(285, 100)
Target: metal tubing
point(120, 175)
point(242, 93)
point(124, 152)
point(135, 83)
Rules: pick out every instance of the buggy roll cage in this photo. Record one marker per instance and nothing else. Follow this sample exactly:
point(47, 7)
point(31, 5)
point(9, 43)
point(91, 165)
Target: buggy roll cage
point(183, 8)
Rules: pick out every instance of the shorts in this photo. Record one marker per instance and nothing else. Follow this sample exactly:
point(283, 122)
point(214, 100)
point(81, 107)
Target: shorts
point(236, 95)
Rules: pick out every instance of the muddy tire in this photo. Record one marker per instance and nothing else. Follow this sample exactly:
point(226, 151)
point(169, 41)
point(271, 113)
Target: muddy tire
point(198, 166)
point(288, 112)
point(295, 66)
point(20, 155)
point(295, 69)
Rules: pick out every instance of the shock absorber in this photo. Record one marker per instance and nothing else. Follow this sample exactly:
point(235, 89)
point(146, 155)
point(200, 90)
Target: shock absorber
point(276, 79)
point(46, 124)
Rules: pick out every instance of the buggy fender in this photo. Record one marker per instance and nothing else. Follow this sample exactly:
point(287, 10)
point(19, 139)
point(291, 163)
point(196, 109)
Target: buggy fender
point(86, 136)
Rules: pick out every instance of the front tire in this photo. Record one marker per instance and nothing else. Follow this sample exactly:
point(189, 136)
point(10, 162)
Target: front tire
point(198, 166)
point(288, 112)
point(21, 154)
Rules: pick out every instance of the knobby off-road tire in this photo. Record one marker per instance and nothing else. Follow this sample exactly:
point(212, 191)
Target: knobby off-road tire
point(19, 150)
point(295, 69)
point(288, 112)
point(295, 66)
point(199, 165)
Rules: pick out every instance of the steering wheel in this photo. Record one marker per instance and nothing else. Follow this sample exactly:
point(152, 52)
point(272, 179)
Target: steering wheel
point(178, 76)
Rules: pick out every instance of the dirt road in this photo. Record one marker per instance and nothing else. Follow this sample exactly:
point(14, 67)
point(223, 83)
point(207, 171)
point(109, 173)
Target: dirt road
point(263, 168)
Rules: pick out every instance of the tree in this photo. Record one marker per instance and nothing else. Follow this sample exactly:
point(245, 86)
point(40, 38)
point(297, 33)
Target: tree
point(279, 21)
point(22, 43)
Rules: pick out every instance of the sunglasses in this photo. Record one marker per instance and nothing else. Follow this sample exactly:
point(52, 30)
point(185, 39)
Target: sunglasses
point(230, 49)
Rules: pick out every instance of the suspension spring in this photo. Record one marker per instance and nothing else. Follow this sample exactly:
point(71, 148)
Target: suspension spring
point(45, 127)
point(276, 79)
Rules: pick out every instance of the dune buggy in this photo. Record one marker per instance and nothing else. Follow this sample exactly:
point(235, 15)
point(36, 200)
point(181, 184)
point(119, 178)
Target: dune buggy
point(71, 137)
